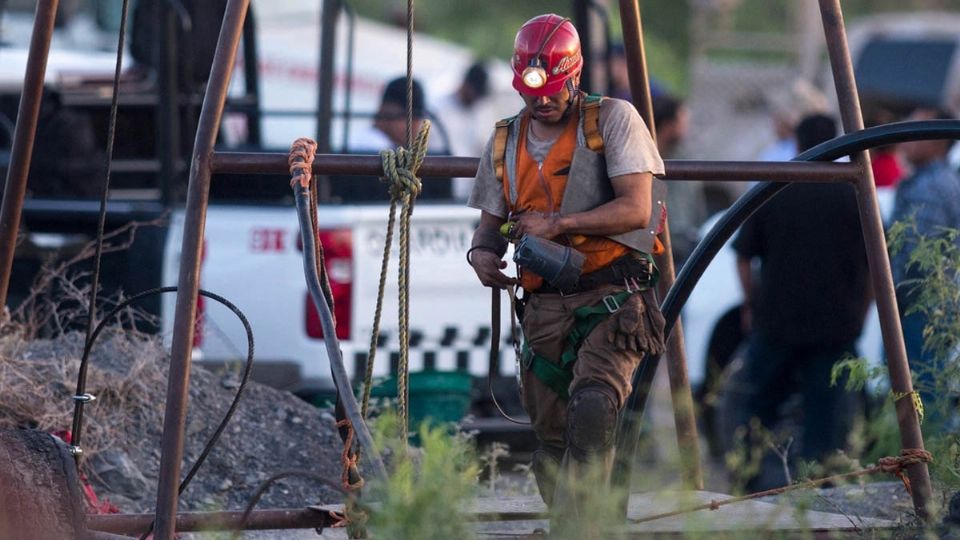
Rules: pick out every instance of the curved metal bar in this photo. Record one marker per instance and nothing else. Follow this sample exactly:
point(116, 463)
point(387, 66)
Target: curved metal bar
point(745, 206)
point(707, 249)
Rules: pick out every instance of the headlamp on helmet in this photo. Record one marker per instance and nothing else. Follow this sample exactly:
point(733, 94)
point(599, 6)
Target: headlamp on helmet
point(534, 76)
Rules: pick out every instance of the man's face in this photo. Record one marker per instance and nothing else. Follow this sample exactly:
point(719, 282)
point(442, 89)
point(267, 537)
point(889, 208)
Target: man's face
point(548, 109)
point(391, 119)
point(919, 153)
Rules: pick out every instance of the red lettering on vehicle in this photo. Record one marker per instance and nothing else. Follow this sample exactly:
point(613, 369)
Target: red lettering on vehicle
point(267, 240)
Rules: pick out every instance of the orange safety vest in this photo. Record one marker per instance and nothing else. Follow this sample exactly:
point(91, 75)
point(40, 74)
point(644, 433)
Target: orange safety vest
point(540, 188)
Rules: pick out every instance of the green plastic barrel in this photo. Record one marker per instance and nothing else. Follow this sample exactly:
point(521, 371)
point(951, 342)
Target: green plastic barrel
point(439, 396)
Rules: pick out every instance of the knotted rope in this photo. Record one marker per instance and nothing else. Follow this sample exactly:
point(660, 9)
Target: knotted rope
point(892, 465)
point(400, 168)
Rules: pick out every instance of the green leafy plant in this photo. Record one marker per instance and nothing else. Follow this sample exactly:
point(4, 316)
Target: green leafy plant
point(936, 295)
point(428, 488)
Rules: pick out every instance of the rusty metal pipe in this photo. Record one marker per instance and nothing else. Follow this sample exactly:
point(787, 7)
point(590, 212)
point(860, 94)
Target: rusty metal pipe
point(445, 167)
point(872, 225)
point(31, 95)
point(258, 520)
point(198, 192)
point(682, 397)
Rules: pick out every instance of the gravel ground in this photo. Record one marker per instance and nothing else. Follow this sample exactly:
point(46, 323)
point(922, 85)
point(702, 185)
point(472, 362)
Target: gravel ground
point(271, 431)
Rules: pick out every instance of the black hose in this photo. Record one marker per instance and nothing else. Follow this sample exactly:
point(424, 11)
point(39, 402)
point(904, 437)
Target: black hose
point(236, 399)
point(731, 220)
point(340, 378)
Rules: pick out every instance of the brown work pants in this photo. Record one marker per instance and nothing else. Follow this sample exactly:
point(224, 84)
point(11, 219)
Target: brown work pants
point(604, 357)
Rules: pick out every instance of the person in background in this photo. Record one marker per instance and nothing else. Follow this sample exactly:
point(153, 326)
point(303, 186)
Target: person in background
point(787, 106)
point(459, 115)
point(388, 131)
point(686, 201)
point(576, 375)
point(620, 78)
point(806, 312)
point(930, 198)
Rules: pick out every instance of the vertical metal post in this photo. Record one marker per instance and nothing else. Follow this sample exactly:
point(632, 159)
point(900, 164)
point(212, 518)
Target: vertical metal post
point(251, 78)
point(329, 14)
point(198, 193)
point(687, 438)
point(583, 22)
point(31, 95)
point(167, 113)
point(872, 225)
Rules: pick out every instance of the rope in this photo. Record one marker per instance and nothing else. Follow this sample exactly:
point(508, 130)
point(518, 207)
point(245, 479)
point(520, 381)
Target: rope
point(378, 312)
point(349, 459)
point(891, 465)
point(400, 168)
point(914, 397)
point(409, 73)
point(101, 227)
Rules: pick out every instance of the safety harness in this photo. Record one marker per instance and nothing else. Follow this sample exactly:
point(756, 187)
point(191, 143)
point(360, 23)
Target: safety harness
point(558, 376)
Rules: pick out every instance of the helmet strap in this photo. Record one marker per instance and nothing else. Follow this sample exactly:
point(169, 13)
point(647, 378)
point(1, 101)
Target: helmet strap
point(574, 94)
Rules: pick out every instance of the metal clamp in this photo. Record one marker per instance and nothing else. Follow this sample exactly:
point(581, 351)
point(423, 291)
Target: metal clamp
point(85, 398)
point(75, 450)
point(611, 303)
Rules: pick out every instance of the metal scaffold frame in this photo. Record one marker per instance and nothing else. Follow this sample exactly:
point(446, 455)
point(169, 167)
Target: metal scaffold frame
point(207, 161)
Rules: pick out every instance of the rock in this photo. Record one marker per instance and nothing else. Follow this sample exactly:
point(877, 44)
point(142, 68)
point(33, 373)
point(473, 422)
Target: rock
point(117, 473)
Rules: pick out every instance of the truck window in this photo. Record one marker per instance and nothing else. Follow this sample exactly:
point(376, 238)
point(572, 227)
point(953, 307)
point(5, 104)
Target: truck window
point(913, 71)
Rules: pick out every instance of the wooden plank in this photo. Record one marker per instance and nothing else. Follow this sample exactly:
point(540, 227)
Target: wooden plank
point(750, 515)
point(520, 516)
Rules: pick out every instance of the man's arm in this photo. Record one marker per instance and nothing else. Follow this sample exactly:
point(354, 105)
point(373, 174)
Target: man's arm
point(486, 252)
point(629, 210)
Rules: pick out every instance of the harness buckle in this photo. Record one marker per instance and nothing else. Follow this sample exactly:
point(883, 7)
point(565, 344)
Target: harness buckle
point(610, 302)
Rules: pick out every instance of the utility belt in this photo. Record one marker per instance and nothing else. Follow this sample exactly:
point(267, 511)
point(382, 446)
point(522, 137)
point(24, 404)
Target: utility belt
point(635, 270)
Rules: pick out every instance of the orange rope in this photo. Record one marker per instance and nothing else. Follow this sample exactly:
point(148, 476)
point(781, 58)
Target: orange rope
point(349, 459)
point(892, 465)
point(300, 160)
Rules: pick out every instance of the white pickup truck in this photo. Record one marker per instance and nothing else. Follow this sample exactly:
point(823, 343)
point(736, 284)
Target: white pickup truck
point(252, 257)
point(252, 254)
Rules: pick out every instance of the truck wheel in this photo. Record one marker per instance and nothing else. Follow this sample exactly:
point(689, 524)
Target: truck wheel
point(40, 496)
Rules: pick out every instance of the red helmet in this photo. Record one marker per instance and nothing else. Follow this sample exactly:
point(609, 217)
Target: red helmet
point(546, 54)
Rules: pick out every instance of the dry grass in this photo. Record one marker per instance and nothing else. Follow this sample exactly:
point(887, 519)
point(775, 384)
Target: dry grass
point(38, 379)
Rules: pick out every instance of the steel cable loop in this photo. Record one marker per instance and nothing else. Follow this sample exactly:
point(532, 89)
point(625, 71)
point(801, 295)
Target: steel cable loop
point(77, 430)
point(400, 170)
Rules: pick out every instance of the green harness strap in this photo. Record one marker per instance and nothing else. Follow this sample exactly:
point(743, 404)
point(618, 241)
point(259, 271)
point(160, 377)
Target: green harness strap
point(559, 376)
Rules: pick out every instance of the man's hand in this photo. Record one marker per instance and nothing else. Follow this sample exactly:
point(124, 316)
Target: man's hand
point(488, 266)
point(537, 224)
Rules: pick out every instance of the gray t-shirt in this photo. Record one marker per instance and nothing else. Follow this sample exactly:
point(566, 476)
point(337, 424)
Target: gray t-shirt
point(628, 149)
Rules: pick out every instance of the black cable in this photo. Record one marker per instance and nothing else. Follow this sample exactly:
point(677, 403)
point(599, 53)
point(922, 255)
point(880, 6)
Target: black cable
point(236, 399)
point(731, 220)
point(101, 225)
point(337, 370)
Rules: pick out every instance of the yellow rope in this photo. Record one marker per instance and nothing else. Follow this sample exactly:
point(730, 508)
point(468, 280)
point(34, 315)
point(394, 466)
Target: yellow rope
point(400, 168)
point(915, 397)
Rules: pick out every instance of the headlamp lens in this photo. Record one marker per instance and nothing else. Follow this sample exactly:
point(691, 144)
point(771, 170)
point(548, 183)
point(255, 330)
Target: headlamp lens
point(534, 77)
